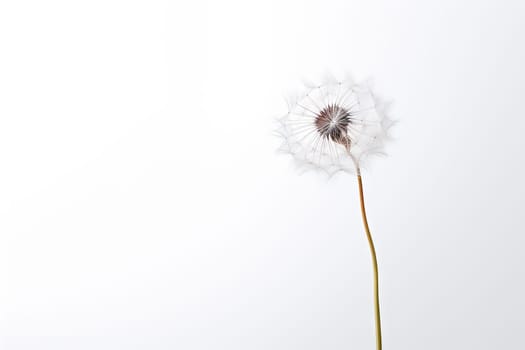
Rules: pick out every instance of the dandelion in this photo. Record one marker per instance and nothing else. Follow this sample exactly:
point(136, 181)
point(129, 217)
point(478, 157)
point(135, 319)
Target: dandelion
point(336, 127)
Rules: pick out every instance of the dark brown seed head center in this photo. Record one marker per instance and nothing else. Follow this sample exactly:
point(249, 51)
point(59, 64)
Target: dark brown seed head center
point(332, 123)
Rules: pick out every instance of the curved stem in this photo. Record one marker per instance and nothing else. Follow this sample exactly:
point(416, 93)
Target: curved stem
point(374, 263)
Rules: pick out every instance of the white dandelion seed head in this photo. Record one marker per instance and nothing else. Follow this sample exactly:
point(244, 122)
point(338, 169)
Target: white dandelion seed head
point(335, 126)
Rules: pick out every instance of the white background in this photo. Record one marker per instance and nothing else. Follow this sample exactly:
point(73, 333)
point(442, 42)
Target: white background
point(143, 206)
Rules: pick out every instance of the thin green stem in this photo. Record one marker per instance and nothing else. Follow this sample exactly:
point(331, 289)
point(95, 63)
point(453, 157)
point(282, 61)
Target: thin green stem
point(374, 264)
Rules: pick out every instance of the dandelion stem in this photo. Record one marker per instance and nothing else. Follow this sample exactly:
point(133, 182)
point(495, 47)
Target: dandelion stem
point(374, 263)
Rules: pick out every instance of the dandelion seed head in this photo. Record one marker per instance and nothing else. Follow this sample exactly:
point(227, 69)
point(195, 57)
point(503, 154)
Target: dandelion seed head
point(335, 126)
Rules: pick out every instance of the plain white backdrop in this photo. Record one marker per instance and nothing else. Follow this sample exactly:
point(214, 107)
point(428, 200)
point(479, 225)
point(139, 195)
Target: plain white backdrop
point(143, 206)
